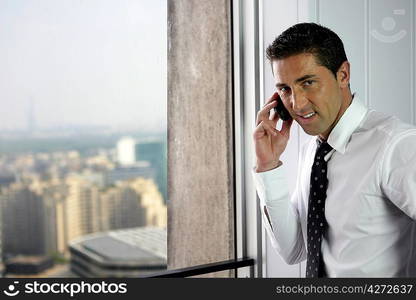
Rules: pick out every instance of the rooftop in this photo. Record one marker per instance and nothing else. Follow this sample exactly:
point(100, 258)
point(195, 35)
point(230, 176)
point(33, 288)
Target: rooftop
point(144, 246)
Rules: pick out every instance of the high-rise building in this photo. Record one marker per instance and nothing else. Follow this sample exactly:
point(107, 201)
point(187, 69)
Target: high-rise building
point(81, 208)
point(53, 194)
point(33, 218)
point(23, 212)
point(126, 151)
point(41, 217)
point(132, 203)
point(152, 201)
point(121, 207)
point(155, 152)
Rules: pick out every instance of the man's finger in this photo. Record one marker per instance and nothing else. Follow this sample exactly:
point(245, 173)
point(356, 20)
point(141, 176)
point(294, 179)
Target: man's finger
point(271, 130)
point(262, 129)
point(264, 113)
point(274, 97)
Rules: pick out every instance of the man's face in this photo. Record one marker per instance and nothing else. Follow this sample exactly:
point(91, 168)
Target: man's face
point(310, 92)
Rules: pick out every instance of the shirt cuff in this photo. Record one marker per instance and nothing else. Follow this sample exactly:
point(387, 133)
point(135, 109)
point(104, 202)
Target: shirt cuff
point(271, 185)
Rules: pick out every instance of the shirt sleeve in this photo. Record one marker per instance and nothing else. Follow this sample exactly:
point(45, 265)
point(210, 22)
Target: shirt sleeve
point(398, 173)
point(284, 228)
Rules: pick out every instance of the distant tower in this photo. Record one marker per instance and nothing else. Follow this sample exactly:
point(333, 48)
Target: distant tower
point(126, 153)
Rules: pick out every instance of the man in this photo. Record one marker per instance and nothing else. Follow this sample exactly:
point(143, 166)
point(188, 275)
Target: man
point(353, 209)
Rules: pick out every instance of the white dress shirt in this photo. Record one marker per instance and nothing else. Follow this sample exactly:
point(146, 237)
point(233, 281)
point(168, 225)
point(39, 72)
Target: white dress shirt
point(371, 198)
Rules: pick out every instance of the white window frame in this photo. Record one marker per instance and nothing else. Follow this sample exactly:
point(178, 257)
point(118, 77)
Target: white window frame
point(247, 68)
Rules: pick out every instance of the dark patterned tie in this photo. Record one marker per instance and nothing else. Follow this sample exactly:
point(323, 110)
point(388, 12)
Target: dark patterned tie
point(316, 225)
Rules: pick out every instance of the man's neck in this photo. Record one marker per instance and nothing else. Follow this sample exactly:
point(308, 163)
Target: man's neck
point(346, 102)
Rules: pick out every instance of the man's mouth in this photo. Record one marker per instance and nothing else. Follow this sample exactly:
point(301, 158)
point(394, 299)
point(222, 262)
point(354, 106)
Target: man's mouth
point(309, 115)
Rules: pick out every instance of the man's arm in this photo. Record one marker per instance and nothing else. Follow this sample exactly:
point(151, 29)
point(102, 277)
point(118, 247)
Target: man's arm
point(280, 215)
point(269, 144)
point(398, 172)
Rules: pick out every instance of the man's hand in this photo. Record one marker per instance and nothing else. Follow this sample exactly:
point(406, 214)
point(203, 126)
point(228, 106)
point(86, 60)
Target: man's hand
point(268, 141)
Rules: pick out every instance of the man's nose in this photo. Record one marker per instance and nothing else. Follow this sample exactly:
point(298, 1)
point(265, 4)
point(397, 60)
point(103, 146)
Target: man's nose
point(298, 101)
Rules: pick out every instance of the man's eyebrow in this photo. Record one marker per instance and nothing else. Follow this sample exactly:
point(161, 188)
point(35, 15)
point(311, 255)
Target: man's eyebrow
point(297, 80)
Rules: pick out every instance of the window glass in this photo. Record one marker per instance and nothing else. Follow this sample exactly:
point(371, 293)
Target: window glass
point(83, 137)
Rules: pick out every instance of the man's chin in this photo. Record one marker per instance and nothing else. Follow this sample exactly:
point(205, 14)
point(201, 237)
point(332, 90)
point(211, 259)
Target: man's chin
point(311, 131)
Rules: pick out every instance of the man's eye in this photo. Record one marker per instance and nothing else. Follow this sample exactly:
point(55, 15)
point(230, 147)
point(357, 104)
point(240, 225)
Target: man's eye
point(284, 89)
point(307, 82)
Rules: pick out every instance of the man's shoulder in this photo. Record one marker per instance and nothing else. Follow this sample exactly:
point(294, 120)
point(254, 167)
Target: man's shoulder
point(379, 123)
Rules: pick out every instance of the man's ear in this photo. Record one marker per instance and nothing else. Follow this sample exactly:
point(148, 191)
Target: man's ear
point(343, 74)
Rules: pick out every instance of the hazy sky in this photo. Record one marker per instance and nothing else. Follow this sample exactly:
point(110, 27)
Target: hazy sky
point(83, 62)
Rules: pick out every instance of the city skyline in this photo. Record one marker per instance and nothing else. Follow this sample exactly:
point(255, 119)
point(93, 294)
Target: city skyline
point(49, 199)
point(83, 63)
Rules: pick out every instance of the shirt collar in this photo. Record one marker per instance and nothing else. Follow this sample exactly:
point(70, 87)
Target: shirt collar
point(347, 124)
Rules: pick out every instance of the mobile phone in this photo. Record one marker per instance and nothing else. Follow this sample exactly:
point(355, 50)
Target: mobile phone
point(281, 110)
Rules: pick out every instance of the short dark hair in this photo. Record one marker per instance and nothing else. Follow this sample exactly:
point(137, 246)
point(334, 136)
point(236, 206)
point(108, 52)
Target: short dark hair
point(312, 38)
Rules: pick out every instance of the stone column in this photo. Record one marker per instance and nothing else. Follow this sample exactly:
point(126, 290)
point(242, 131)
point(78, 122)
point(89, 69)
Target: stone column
point(200, 134)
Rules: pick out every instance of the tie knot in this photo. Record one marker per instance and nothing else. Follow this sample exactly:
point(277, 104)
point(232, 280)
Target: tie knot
point(323, 148)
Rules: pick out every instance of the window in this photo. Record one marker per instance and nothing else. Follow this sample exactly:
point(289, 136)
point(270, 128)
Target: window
point(83, 136)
